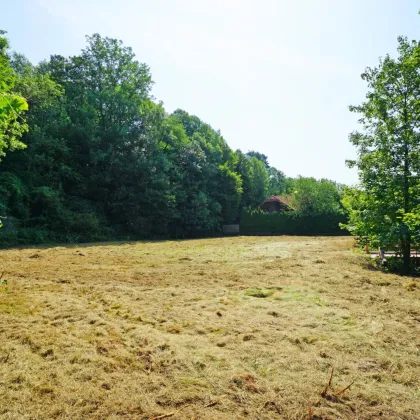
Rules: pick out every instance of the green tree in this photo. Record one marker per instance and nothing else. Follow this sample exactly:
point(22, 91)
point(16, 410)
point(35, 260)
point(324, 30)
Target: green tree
point(207, 188)
point(260, 156)
point(113, 135)
point(12, 123)
point(41, 170)
point(277, 182)
point(259, 181)
point(230, 188)
point(243, 169)
point(289, 185)
point(384, 211)
point(312, 197)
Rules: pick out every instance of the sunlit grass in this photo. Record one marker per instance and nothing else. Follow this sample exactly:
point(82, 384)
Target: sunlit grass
point(245, 327)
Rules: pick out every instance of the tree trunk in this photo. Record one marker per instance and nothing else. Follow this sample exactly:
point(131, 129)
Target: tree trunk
point(406, 253)
point(406, 240)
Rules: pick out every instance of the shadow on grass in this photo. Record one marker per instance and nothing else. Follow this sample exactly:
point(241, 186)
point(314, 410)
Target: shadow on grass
point(393, 265)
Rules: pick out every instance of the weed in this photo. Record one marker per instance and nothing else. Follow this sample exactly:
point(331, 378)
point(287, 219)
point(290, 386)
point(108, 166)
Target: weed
point(3, 284)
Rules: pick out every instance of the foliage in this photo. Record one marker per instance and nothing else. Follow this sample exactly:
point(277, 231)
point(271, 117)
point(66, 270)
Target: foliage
point(312, 197)
point(260, 156)
point(259, 181)
point(277, 182)
point(384, 210)
point(12, 124)
point(104, 160)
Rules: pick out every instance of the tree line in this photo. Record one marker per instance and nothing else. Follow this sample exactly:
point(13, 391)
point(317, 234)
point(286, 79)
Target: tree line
point(97, 157)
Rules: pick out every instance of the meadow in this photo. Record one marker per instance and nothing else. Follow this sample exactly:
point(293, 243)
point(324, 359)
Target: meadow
point(224, 328)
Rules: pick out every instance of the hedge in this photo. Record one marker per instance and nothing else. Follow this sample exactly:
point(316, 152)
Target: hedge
point(291, 223)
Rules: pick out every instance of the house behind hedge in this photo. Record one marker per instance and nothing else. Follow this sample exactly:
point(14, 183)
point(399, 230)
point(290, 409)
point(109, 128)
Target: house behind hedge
point(277, 204)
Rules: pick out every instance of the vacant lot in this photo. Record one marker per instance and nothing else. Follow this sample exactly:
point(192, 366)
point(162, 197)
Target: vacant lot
point(228, 328)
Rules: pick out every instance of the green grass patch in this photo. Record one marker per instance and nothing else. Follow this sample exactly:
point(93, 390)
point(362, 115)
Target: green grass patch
point(291, 293)
point(259, 293)
point(14, 305)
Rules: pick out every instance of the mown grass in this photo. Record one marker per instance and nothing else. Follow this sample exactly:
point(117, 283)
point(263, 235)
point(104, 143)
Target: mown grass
point(226, 328)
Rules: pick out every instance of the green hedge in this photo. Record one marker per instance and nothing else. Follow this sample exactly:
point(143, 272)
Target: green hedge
point(291, 223)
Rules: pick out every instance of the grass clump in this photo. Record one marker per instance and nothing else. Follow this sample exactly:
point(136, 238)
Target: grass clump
point(259, 293)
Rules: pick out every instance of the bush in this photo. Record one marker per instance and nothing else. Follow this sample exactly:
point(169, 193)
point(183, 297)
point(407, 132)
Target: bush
point(26, 236)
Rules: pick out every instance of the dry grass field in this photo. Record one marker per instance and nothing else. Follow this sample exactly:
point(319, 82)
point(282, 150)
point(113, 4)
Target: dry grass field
point(230, 328)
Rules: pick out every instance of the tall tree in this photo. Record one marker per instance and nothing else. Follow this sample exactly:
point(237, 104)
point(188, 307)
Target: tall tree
point(259, 181)
point(243, 169)
point(385, 210)
point(114, 125)
point(207, 188)
point(260, 156)
point(277, 183)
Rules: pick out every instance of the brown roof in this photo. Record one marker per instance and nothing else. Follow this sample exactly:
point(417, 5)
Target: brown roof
point(284, 199)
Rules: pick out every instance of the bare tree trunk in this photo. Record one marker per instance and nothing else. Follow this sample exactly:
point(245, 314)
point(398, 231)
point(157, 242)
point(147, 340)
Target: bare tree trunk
point(406, 238)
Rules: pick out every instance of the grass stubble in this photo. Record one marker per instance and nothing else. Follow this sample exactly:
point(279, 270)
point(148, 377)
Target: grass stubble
point(227, 328)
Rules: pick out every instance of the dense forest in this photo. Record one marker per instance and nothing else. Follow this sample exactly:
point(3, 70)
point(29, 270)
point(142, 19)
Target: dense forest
point(96, 157)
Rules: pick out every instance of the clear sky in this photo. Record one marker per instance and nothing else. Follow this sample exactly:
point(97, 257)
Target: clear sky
point(275, 76)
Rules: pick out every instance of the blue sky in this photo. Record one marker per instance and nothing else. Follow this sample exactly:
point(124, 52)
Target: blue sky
point(275, 76)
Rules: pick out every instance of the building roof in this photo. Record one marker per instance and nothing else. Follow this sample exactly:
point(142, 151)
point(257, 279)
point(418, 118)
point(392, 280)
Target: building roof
point(283, 199)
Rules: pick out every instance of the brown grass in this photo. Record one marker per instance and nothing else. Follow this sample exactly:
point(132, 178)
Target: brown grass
point(228, 328)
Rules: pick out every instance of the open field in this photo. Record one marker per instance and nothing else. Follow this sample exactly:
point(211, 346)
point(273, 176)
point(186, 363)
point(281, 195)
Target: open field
point(231, 328)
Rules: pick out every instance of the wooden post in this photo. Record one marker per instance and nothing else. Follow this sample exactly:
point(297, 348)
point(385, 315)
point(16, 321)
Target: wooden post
point(382, 256)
